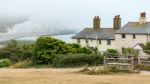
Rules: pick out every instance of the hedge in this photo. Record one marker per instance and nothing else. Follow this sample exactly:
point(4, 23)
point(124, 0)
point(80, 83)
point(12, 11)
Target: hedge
point(74, 60)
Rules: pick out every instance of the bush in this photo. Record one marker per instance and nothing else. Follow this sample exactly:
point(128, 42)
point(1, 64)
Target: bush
point(147, 48)
point(46, 48)
point(16, 52)
point(5, 54)
point(130, 51)
point(73, 60)
point(23, 64)
point(5, 62)
point(114, 51)
point(27, 55)
point(111, 52)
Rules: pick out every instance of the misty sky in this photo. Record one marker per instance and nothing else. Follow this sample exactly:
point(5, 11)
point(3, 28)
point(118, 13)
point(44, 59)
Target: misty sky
point(76, 13)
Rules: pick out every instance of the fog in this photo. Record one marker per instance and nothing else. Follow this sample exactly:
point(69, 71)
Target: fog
point(70, 14)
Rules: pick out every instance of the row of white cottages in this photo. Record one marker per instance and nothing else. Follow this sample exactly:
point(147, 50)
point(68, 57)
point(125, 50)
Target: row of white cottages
point(132, 34)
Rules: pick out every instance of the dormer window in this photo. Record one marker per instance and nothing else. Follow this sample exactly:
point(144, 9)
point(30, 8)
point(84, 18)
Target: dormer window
point(123, 36)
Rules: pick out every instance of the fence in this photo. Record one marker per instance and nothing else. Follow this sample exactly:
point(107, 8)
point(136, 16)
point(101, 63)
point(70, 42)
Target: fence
point(144, 60)
point(121, 61)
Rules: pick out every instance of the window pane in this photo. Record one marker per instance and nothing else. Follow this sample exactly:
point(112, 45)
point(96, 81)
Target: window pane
point(86, 40)
point(78, 40)
point(134, 36)
point(123, 36)
point(99, 41)
point(108, 42)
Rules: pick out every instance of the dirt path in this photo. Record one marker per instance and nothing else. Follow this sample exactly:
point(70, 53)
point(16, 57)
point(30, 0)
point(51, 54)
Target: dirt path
point(145, 72)
point(65, 76)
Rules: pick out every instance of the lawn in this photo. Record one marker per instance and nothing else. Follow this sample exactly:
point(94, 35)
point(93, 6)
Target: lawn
point(66, 76)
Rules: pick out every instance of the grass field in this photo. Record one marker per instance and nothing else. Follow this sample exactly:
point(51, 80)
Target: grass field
point(66, 76)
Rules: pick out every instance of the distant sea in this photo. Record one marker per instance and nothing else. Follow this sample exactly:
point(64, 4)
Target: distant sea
point(66, 38)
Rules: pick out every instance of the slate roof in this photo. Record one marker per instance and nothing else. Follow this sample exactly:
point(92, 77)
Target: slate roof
point(102, 33)
point(109, 33)
point(135, 28)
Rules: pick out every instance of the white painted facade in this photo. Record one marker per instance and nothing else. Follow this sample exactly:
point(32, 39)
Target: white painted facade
point(118, 43)
point(102, 46)
point(129, 41)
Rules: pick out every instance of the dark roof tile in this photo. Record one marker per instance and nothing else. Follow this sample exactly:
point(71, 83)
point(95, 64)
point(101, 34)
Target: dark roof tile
point(135, 28)
point(102, 33)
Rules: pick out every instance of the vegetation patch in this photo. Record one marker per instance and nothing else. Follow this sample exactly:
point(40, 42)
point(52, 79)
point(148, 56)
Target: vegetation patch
point(72, 60)
point(46, 48)
point(23, 64)
point(5, 62)
point(45, 51)
point(104, 70)
point(143, 67)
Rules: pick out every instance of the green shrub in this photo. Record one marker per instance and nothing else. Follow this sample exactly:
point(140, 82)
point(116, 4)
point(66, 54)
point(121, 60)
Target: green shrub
point(5, 62)
point(5, 54)
point(27, 55)
point(73, 60)
point(23, 64)
point(130, 51)
point(47, 47)
point(147, 48)
point(111, 52)
point(114, 51)
point(16, 52)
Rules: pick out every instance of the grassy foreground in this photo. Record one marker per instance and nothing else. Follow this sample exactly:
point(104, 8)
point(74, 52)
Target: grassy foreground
point(65, 76)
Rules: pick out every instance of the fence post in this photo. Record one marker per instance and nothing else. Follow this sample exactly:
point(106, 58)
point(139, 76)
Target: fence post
point(139, 60)
point(132, 63)
point(104, 61)
point(132, 60)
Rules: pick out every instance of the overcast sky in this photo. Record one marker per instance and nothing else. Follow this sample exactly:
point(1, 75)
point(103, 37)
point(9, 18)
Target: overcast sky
point(77, 13)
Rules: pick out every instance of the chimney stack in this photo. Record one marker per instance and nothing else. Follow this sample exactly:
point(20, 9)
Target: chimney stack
point(96, 23)
point(142, 18)
point(117, 22)
point(143, 14)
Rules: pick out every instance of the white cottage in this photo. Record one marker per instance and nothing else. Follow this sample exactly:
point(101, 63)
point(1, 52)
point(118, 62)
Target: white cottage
point(117, 37)
point(97, 37)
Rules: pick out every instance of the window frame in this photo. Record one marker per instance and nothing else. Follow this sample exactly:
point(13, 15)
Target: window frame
point(123, 36)
point(91, 40)
point(78, 41)
point(108, 42)
point(86, 41)
point(133, 36)
point(99, 42)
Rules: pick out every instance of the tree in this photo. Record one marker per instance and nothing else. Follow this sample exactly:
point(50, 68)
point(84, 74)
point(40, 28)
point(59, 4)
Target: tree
point(46, 48)
point(12, 44)
point(16, 52)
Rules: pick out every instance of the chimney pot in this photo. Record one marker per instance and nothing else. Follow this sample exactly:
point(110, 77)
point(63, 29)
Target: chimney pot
point(143, 14)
